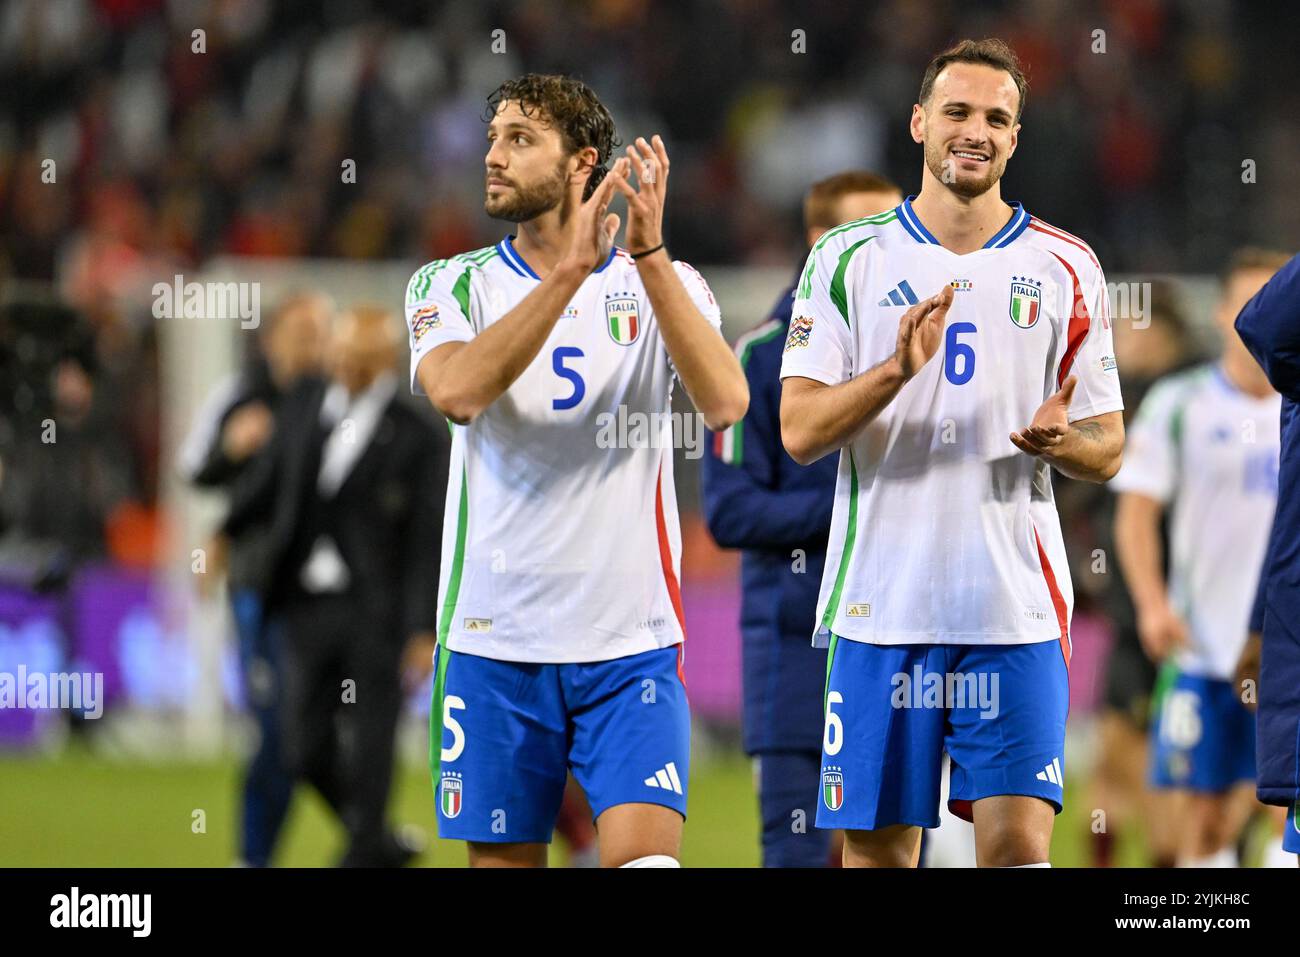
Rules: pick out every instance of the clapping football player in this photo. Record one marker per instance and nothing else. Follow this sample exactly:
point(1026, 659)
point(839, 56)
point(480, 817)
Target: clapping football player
point(560, 628)
point(954, 351)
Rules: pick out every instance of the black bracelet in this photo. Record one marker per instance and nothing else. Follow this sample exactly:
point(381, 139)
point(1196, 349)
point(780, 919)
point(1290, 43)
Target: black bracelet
point(647, 252)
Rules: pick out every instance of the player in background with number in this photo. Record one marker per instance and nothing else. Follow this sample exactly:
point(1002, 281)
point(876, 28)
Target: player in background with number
point(757, 498)
point(946, 561)
point(1204, 445)
point(560, 627)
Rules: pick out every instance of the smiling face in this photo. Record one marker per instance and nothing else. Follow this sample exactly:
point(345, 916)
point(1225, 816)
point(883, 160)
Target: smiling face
point(968, 127)
point(528, 168)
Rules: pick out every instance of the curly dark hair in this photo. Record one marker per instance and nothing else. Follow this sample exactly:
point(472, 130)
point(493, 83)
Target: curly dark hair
point(569, 105)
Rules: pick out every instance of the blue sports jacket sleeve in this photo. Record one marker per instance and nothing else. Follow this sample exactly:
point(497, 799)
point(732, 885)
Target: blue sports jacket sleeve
point(1269, 325)
point(746, 503)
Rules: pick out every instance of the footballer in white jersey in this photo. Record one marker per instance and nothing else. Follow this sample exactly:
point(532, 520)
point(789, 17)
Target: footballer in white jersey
point(1205, 446)
point(984, 563)
point(554, 354)
point(953, 351)
point(561, 544)
point(1208, 451)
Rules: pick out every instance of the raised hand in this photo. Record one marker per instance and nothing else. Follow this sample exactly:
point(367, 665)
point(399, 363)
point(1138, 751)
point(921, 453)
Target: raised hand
point(246, 430)
point(920, 331)
point(645, 206)
point(594, 227)
point(1050, 424)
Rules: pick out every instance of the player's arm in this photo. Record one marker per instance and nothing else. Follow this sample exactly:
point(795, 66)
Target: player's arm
point(1092, 448)
point(1147, 482)
point(1141, 557)
point(1089, 449)
point(1269, 325)
point(1079, 430)
point(462, 379)
point(708, 370)
point(818, 418)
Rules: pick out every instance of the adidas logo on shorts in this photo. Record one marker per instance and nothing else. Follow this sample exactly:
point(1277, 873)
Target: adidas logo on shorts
point(1052, 773)
point(666, 778)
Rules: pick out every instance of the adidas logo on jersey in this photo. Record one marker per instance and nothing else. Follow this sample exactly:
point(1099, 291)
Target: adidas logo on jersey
point(1052, 773)
point(900, 295)
point(666, 778)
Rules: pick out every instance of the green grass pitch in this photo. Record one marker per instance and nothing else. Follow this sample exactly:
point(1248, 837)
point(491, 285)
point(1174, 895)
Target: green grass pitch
point(80, 810)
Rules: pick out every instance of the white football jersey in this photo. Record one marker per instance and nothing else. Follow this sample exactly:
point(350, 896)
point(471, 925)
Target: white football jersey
point(1209, 451)
point(561, 541)
point(943, 531)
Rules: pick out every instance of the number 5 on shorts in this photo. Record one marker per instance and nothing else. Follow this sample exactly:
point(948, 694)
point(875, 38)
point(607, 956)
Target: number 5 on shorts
point(452, 725)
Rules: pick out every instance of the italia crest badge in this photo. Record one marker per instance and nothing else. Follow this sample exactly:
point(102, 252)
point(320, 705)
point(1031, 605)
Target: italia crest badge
point(622, 320)
point(1026, 301)
point(450, 794)
point(833, 788)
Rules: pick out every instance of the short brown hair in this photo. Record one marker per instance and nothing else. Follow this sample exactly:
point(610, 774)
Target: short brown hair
point(1249, 258)
point(819, 202)
point(569, 105)
point(989, 52)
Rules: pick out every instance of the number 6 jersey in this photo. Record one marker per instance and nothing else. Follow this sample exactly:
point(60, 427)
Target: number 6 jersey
point(943, 531)
point(561, 541)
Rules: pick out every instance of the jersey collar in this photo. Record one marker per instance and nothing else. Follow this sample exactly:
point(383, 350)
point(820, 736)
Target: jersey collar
point(516, 262)
point(1003, 237)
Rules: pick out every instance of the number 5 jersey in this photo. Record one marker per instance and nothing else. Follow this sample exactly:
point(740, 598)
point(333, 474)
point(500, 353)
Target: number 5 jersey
point(561, 541)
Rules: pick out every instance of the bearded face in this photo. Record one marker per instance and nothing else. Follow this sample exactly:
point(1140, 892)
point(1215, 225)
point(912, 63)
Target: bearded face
point(967, 168)
point(968, 127)
point(514, 201)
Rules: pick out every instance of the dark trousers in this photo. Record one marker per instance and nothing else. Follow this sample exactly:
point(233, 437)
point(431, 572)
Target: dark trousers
point(268, 784)
point(341, 704)
point(789, 790)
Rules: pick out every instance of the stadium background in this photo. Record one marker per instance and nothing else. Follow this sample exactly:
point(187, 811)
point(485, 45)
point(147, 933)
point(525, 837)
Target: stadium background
point(226, 165)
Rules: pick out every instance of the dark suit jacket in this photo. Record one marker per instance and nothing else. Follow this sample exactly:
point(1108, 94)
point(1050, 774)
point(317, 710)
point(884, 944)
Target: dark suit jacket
point(387, 513)
point(218, 471)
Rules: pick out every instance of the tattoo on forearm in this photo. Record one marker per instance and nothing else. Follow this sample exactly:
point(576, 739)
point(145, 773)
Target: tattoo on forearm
point(1092, 431)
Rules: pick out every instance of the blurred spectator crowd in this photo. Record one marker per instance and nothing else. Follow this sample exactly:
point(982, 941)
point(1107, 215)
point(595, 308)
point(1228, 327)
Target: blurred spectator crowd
point(1140, 116)
point(162, 151)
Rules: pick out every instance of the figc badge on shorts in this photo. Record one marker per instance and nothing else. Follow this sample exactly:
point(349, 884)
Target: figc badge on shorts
point(451, 793)
point(833, 788)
